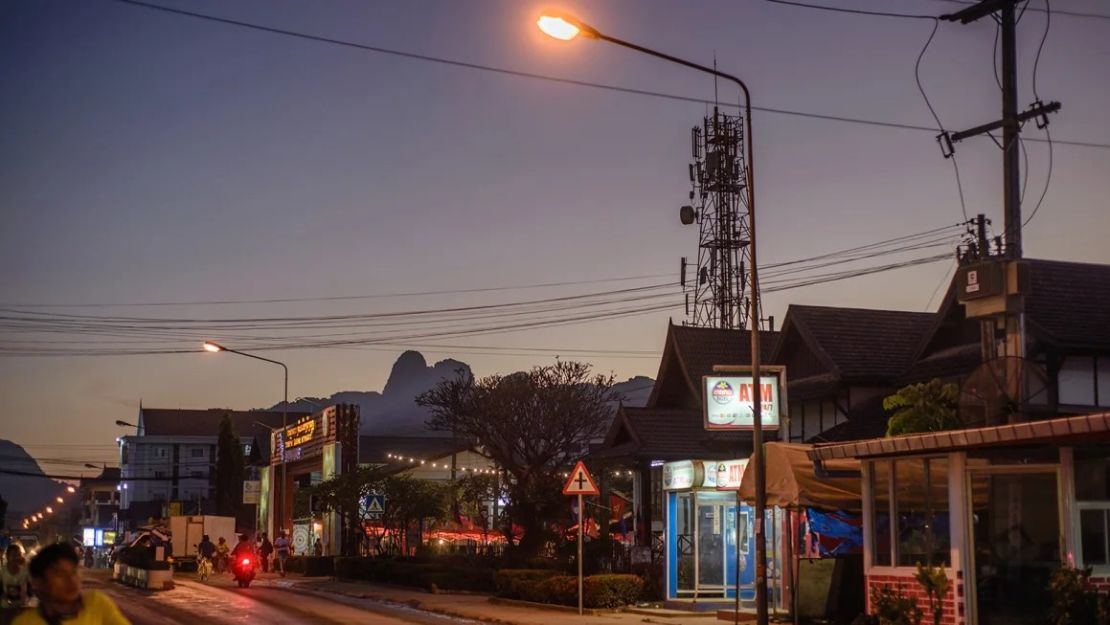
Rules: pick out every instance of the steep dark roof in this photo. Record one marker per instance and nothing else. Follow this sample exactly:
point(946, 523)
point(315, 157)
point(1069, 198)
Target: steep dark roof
point(181, 422)
point(859, 343)
point(1069, 303)
point(666, 434)
point(692, 353)
point(953, 362)
point(376, 449)
point(867, 420)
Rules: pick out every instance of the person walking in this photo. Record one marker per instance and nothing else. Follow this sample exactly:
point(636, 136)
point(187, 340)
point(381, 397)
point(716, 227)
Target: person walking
point(56, 580)
point(265, 550)
point(281, 549)
point(14, 578)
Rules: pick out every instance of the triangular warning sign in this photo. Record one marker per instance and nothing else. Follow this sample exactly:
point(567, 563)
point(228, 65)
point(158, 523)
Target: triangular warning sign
point(580, 482)
point(375, 506)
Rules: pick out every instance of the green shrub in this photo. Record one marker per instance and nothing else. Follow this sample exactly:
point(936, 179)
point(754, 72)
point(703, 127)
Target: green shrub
point(1075, 600)
point(508, 582)
point(894, 608)
point(611, 591)
point(412, 572)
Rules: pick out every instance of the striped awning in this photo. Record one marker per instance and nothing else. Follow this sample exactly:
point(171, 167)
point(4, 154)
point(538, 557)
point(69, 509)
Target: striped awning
point(1062, 431)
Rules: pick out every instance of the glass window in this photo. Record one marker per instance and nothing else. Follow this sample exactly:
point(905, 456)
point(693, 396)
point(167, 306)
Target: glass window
point(921, 502)
point(1092, 530)
point(197, 452)
point(1102, 384)
point(1076, 381)
point(880, 510)
point(1092, 473)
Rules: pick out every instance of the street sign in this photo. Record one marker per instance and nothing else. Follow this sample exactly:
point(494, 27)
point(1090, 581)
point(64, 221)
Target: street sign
point(580, 482)
point(375, 505)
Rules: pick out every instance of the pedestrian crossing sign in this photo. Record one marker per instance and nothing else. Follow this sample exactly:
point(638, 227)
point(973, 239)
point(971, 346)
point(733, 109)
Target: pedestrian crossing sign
point(580, 482)
point(375, 505)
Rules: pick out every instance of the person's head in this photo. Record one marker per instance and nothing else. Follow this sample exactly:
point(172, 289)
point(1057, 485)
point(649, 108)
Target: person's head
point(263, 535)
point(145, 541)
point(205, 539)
point(222, 541)
point(14, 553)
point(54, 574)
point(243, 538)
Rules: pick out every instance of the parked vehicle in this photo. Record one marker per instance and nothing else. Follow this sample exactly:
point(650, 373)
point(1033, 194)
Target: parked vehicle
point(187, 531)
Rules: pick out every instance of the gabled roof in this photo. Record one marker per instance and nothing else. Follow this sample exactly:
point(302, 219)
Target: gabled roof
point(669, 434)
point(376, 449)
point(1068, 303)
point(858, 343)
point(183, 422)
point(691, 353)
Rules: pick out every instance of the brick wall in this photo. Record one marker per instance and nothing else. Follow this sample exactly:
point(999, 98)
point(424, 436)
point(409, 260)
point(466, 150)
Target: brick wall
point(954, 601)
point(1101, 583)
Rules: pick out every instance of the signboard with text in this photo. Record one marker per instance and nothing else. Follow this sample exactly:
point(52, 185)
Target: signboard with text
point(728, 399)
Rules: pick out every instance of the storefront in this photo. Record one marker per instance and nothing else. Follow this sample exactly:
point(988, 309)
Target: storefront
point(316, 447)
point(999, 509)
point(701, 531)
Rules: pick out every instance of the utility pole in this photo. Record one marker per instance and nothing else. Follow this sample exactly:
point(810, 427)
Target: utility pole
point(999, 301)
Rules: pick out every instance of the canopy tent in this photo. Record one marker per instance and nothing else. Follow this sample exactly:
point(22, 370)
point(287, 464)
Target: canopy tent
point(792, 481)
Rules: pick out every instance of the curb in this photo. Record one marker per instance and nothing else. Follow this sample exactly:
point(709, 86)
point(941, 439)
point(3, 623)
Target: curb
point(548, 606)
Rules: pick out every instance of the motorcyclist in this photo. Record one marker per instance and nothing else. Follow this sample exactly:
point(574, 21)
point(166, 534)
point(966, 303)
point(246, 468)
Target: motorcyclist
point(222, 551)
point(244, 548)
point(15, 577)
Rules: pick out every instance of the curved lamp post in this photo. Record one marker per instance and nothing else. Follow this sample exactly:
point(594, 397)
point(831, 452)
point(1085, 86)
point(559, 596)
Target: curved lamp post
point(214, 347)
point(566, 27)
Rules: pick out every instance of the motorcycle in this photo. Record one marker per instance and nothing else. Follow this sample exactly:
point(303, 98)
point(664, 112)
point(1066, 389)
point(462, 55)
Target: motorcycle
point(243, 569)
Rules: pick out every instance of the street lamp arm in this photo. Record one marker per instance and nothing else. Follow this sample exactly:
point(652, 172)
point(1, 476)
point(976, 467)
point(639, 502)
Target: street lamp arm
point(275, 362)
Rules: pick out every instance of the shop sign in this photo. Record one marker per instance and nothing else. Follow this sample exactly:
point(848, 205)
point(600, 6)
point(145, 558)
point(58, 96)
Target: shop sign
point(689, 474)
point(730, 473)
point(728, 401)
point(300, 432)
point(252, 491)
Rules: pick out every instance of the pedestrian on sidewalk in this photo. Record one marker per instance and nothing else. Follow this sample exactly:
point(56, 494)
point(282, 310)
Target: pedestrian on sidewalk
point(57, 583)
point(265, 550)
point(281, 548)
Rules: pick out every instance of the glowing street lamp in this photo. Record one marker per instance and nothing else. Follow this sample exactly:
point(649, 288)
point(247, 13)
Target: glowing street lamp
point(210, 346)
point(60, 500)
point(566, 28)
point(70, 489)
point(49, 510)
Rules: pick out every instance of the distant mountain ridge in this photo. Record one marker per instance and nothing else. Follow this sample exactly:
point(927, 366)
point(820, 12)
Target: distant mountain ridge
point(393, 411)
point(25, 494)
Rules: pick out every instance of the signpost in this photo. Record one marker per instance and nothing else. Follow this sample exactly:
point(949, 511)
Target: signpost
point(580, 483)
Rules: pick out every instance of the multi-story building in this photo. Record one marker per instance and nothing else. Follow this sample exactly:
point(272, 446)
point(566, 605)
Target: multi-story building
point(168, 465)
point(100, 497)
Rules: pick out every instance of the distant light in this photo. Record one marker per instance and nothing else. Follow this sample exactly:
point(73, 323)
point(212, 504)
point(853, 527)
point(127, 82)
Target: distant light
point(49, 510)
point(70, 489)
point(60, 500)
point(209, 346)
point(558, 28)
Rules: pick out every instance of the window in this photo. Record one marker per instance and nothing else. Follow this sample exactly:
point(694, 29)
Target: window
point(1092, 494)
point(197, 452)
point(919, 507)
point(1076, 381)
point(161, 452)
point(158, 475)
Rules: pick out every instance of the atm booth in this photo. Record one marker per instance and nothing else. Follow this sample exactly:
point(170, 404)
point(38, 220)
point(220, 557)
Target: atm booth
point(314, 448)
point(701, 533)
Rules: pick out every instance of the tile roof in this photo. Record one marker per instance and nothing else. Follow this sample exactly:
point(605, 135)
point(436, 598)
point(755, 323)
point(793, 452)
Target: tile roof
point(859, 343)
point(666, 434)
point(1069, 303)
point(1063, 431)
point(697, 350)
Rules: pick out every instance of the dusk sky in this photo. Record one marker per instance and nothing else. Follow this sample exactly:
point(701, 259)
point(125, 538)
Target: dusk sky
point(151, 157)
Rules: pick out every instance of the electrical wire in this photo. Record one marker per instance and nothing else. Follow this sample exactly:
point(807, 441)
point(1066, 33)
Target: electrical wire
point(1101, 16)
point(1036, 95)
point(556, 79)
point(853, 11)
point(943, 280)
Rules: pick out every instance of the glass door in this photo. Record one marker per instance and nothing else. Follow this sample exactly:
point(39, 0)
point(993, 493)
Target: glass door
point(1015, 524)
point(711, 546)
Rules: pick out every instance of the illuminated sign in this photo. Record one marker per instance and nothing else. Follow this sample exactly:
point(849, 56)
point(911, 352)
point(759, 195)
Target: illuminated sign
point(730, 473)
point(88, 536)
point(728, 400)
point(687, 474)
point(300, 432)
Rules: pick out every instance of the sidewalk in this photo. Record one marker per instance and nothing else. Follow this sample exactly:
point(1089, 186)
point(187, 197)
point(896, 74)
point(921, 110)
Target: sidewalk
point(480, 608)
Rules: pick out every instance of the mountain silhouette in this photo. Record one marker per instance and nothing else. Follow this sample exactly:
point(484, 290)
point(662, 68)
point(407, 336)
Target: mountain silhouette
point(393, 411)
point(25, 494)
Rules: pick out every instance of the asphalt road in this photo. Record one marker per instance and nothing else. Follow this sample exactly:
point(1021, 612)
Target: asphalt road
point(221, 603)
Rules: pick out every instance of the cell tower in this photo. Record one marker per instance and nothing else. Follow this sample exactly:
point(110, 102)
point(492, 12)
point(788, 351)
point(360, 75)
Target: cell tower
point(716, 297)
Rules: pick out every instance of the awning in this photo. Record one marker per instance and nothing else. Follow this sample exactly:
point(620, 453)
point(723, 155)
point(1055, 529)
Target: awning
point(1063, 431)
point(792, 481)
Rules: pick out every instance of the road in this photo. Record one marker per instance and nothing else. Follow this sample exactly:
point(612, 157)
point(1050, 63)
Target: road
point(221, 603)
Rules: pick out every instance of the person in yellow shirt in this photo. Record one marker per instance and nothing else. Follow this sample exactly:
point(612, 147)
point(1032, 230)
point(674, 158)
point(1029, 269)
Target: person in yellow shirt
point(57, 584)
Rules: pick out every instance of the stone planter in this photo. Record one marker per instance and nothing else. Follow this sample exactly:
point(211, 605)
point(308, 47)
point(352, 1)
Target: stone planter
point(143, 578)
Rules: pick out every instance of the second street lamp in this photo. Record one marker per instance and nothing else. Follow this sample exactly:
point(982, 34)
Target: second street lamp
point(212, 346)
point(566, 27)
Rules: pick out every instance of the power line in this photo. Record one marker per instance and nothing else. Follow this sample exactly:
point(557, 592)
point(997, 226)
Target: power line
point(1101, 16)
point(853, 11)
point(536, 76)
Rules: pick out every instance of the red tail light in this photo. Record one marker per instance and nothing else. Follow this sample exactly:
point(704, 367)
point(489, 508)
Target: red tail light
point(246, 561)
